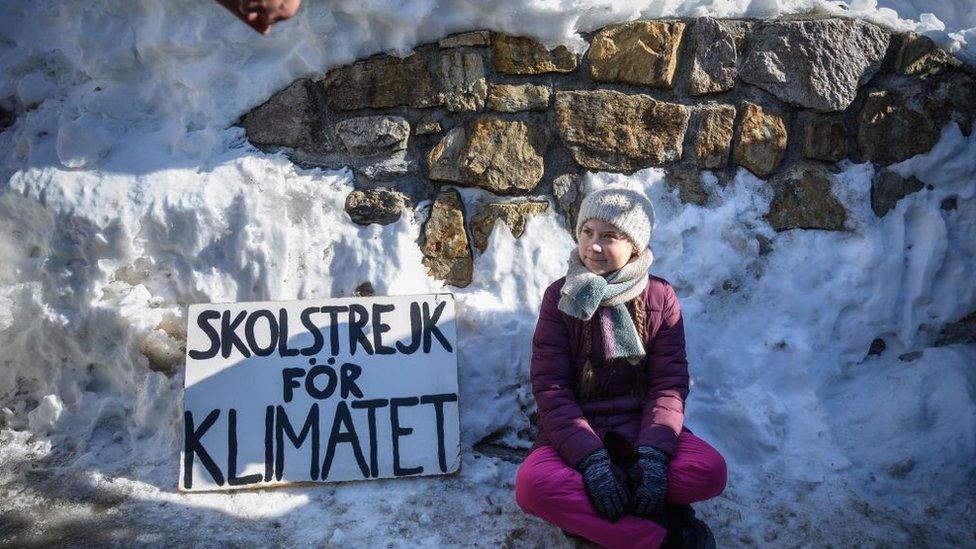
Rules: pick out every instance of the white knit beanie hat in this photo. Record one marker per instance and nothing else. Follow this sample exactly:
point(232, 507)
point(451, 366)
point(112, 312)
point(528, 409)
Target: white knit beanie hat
point(625, 209)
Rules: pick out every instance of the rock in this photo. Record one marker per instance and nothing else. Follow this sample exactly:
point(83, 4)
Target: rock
point(611, 131)
point(891, 128)
point(364, 289)
point(824, 137)
point(427, 126)
point(761, 143)
point(164, 353)
point(715, 47)
point(463, 76)
point(473, 38)
point(502, 156)
point(949, 204)
point(380, 205)
point(513, 214)
point(900, 469)
point(518, 97)
point(887, 188)
point(877, 347)
point(961, 331)
point(918, 55)
point(447, 255)
point(714, 135)
point(951, 98)
point(566, 189)
point(285, 120)
point(380, 82)
point(803, 199)
point(689, 185)
point(519, 55)
point(372, 135)
point(444, 160)
point(637, 52)
point(815, 64)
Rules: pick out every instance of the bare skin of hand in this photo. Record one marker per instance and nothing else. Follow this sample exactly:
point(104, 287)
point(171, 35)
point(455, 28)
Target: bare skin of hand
point(266, 12)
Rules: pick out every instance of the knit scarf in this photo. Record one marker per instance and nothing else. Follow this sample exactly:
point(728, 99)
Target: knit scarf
point(586, 293)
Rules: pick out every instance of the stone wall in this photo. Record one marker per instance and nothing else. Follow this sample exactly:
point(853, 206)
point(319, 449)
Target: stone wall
point(786, 99)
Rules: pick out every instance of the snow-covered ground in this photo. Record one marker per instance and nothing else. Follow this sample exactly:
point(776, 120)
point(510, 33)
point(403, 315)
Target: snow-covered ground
point(125, 195)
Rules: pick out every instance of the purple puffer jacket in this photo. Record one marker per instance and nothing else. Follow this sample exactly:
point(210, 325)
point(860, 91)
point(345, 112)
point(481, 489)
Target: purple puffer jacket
point(575, 429)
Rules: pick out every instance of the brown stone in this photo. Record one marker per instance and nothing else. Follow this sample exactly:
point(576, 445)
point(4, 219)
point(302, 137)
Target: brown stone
point(689, 186)
point(918, 55)
point(824, 137)
point(380, 205)
point(611, 131)
point(803, 199)
point(380, 82)
point(519, 55)
point(518, 97)
point(462, 74)
point(714, 136)
point(447, 254)
point(762, 140)
point(473, 38)
point(502, 156)
point(637, 52)
point(513, 214)
point(891, 128)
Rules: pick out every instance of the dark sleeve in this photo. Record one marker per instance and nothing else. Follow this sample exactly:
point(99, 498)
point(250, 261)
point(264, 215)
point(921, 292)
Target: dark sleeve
point(551, 372)
point(664, 409)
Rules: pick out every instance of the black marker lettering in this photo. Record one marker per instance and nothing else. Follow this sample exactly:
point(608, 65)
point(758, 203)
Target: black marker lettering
point(203, 321)
point(192, 446)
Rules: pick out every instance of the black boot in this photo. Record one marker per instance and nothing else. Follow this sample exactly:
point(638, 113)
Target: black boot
point(685, 531)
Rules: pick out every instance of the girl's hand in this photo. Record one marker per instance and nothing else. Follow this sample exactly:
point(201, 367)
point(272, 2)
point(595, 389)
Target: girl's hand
point(651, 470)
point(606, 493)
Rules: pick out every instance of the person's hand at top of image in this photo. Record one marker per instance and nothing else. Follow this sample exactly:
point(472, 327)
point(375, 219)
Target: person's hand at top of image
point(261, 14)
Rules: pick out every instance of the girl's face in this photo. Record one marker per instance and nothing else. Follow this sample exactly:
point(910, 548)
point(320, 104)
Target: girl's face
point(603, 247)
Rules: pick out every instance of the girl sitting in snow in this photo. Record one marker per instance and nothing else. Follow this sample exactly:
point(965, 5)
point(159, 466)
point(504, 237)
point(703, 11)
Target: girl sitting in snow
point(613, 462)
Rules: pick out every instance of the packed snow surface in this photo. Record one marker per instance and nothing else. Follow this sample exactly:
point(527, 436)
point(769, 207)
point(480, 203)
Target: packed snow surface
point(126, 193)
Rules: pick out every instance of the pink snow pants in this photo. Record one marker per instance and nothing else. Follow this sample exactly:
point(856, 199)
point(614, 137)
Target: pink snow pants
point(548, 488)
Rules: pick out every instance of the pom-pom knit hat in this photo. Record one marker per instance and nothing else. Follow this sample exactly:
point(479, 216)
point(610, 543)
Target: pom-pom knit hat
point(625, 209)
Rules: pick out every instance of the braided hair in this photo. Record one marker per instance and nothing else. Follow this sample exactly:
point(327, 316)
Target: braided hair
point(587, 375)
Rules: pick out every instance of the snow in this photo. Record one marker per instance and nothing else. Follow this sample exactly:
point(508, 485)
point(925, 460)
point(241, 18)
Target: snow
point(126, 194)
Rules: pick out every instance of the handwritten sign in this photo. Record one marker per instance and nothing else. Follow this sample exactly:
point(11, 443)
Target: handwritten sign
point(319, 391)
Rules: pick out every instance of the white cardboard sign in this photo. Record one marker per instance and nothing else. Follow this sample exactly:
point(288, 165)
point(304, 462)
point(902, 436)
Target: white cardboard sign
point(319, 391)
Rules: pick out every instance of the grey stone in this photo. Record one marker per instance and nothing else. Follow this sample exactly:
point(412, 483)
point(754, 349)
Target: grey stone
point(689, 185)
point(473, 38)
point(427, 126)
point(518, 97)
point(803, 199)
point(714, 136)
point(612, 131)
point(568, 198)
point(961, 331)
point(285, 120)
point(447, 254)
point(380, 205)
point(444, 160)
point(887, 188)
point(462, 75)
point(815, 64)
point(715, 47)
point(372, 135)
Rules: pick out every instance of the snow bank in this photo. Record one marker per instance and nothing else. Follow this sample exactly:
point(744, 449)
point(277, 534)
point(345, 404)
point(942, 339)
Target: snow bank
point(125, 195)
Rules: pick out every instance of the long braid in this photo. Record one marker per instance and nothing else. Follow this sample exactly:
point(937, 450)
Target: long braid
point(638, 313)
point(587, 377)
